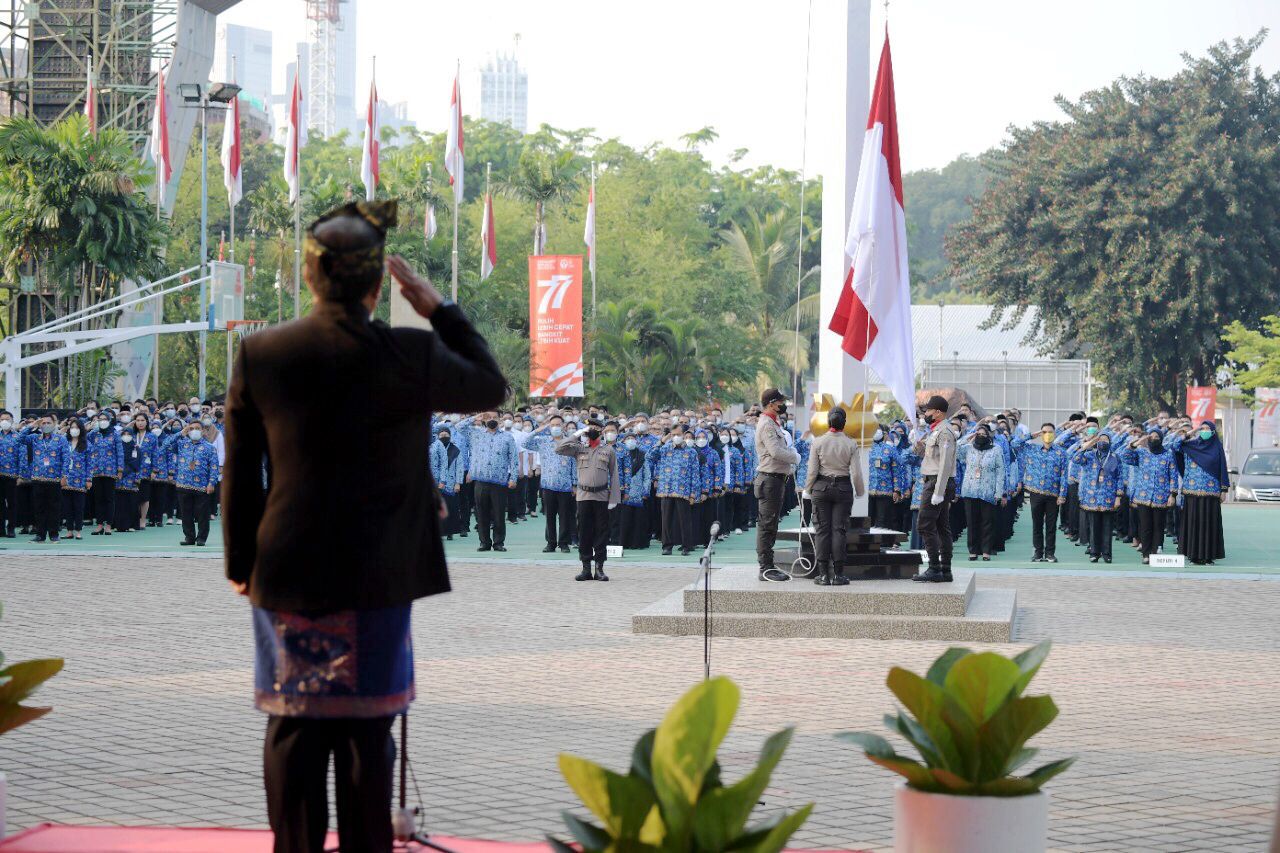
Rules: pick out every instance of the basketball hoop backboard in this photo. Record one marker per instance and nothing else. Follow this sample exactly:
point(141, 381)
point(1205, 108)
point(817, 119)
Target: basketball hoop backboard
point(227, 294)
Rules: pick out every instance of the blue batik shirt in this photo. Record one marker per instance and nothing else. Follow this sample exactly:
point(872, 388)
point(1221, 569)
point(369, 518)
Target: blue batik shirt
point(1196, 480)
point(1099, 479)
point(196, 466)
point(106, 453)
point(10, 444)
point(446, 466)
point(984, 473)
point(48, 453)
point(75, 469)
point(635, 479)
point(133, 471)
point(1155, 475)
point(712, 471)
point(559, 473)
point(494, 458)
point(679, 471)
point(1044, 468)
point(883, 465)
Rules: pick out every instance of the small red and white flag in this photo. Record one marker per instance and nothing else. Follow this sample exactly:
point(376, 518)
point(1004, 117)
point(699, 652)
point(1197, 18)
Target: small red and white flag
point(369, 158)
point(231, 177)
point(488, 242)
point(293, 138)
point(222, 247)
point(90, 98)
point(589, 232)
point(874, 313)
point(453, 145)
point(429, 222)
point(160, 136)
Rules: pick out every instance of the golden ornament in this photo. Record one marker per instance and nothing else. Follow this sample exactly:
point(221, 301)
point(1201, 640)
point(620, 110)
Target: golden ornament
point(860, 423)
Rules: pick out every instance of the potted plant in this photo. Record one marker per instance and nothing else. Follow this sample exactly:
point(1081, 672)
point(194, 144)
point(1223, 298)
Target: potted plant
point(17, 682)
point(672, 798)
point(970, 723)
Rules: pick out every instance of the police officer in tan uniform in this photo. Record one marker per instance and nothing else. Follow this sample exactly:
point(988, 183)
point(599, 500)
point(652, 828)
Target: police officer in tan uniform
point(834, 477)
point(599, 491)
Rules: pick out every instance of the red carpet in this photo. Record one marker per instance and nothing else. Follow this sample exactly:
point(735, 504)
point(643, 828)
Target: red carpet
point(50, 838)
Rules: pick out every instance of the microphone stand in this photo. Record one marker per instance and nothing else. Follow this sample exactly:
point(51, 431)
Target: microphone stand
point(404, 821)
point(704, 562)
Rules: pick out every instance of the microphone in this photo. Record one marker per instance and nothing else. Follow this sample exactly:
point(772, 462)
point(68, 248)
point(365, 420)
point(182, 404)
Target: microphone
point(715, 529)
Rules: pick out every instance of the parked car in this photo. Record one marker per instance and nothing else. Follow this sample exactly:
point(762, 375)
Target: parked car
point(1259, 478)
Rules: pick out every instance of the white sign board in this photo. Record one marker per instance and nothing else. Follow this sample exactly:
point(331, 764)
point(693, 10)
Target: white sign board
point(613, 552)
point(226, 293)
point(1266, 417)
point(1168, 561)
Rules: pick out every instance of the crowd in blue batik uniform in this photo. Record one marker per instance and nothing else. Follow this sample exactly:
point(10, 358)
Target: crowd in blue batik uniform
point(118, 466)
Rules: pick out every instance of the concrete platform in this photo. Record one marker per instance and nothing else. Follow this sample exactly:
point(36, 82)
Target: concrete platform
point(744, 606)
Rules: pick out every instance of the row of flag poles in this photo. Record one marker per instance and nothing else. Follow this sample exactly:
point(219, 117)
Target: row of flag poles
point(295, 138)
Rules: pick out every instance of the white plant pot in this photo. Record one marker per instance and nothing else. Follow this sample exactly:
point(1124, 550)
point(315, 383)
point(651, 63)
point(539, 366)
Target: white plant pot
point(946, 823)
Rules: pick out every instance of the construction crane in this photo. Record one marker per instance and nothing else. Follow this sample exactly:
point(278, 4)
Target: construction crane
point(324, 19)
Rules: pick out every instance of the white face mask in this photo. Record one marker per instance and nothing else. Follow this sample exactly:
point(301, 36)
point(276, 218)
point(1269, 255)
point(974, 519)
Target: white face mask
point(195, 436)
point(724, 439)
point(507, 423)
point(610, 436)
point(702, 442)
point(879, 434)
point(641, 429)
point(688, 442)
point(556, 431)
point(6, 425)
point(124, 419)
point(630, 443)
point(89, 413)
point(155, 430)
point(75, 433)
point(126, 438)
point(103, 425)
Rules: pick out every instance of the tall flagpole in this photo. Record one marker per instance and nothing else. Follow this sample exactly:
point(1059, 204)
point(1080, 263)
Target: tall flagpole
point(484, 217)
point(155, 358)
point(297, 205)
point(231, 116)
point(457, 202)
point(594, 241)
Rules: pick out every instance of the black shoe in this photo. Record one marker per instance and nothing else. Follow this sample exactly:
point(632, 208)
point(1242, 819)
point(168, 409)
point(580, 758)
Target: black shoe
point(550, 549)
point(931, 576)
point(666, 552)
point(684, 552)
point(1093, 559)
point(464, 533)
point(972, 557)
point(91, 533)
point(1106, 559)
point(564, 549)
point(1037, 558)
point(199, 543)
point(774, 575)
point(484, 548)
point(53, 538)
point(187, 542)
point(499, 547)
point(584, 575)
point(986, 558)
point(839, 579)
point(38, 539)
point(823, 578)
point(600, 575)
point(106, 533)
point(1051, 559)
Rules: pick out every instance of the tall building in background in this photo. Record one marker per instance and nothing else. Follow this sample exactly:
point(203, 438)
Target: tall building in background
point(332, 65)
point(251, 49)
point(349, 116)
point(504, 90)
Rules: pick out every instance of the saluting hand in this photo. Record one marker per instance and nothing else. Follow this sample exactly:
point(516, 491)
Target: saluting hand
point(417, 289)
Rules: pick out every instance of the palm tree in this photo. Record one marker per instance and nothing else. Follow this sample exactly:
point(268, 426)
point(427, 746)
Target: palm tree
point(765, 251)
point(695, 140)
point(542, 177)
point(271, 213)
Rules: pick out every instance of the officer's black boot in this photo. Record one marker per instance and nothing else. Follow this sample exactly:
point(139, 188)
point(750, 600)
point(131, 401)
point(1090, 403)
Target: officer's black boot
point(585, 574)
point(600, 575)
point(822, 577)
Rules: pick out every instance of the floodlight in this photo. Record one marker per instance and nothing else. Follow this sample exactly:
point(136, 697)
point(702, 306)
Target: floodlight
point(223, 93)
point(190, 92)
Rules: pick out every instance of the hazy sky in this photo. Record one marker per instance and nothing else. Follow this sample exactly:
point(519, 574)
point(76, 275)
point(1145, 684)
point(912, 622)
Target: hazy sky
point(964, 71)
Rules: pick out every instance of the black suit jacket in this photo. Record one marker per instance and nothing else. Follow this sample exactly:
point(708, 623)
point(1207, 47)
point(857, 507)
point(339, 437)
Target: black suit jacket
point(338, 406)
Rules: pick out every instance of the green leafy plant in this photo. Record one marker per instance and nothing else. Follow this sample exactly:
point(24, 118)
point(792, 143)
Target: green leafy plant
point(17, 682)
point(673, 798)
point(970, 723)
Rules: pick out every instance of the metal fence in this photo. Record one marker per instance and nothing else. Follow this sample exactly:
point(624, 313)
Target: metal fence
point(1044, 390)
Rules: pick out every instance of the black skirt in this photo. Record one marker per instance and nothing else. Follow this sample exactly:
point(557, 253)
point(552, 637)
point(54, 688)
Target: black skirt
point(634, 527)
point(1200, 533)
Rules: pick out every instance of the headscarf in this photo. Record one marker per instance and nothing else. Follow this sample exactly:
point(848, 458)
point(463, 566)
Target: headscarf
point(902, 443)
point(1205, 452)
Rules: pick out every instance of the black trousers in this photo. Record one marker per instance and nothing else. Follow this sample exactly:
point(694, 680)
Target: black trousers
point(46, 501)
point(1044, 524)
point(466, 505)
point(193, 508)
point(104, 500)
point(161, 501)
point(1071, 511)
point(677, 523)
point(880, 508)
point(22, 504)
point(1150, 528)
point(295, 763)
point(558, 507)
point(73, 509)
point(451, 503)
point(634, 528)
point(491, 513)
point(533, 485)
point(8, 505)
point(126, 509)
point(769, 490)
point(980, 517)
point(831, 505)
point(593, 531)
point(935, 523)
point(515, 501)
point(1100, 525)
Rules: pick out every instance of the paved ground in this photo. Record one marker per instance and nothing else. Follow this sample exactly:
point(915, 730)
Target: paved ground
point(1167, 689)
point(1252, 533)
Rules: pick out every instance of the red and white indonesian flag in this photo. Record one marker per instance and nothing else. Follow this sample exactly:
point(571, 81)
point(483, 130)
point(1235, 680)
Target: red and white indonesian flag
point(589, 232)
point(488, 243)
point(231, 177)
point(453, 145)
point(429, 222)
point(293, 138)
point(90, 99)
point(874, 312)
point(369, 159)
point(160, 136)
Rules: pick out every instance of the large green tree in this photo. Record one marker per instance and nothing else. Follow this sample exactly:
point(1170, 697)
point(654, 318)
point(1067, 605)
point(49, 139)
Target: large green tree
point(1140, 225)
